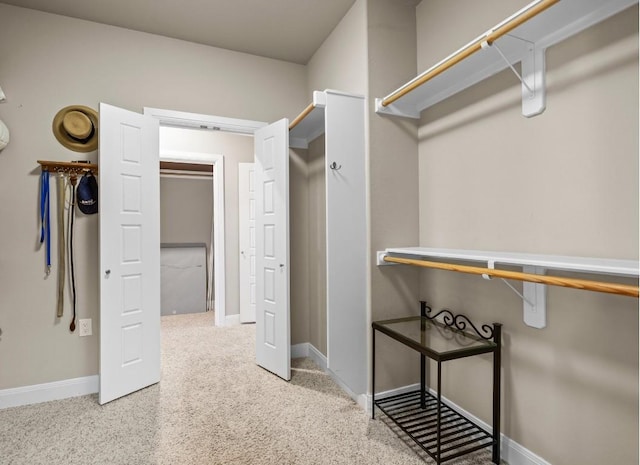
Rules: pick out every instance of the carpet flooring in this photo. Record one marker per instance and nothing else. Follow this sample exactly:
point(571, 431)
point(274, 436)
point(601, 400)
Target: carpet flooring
point(214, 405)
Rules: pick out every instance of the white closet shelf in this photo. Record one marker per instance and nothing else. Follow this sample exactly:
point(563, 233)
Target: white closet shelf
point(533, 276)
point(492, 52)
point(310, 123)
point(551, 262)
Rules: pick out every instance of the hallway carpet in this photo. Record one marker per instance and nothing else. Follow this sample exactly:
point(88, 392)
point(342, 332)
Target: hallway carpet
point(213, 406)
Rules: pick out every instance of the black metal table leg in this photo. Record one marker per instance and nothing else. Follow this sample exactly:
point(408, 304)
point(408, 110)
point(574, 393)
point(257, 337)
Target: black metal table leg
point(497, 338)
point(439, 426)
point(373, 374)
point(423, 359)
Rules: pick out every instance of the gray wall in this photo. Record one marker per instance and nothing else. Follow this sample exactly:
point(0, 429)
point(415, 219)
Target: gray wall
point(565, 183)
point(393, 165)
point(317, 207)
point(40, 75)
point(299, 251)
point(186, 210)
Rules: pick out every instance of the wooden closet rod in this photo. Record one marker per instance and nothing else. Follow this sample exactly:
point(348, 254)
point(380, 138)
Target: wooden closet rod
point(598, 286)
point(470, 50)
point(301, 116)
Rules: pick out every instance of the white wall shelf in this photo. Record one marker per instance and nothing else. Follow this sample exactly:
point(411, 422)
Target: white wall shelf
point(526, 44)
point(534, 295)
point(309, 126)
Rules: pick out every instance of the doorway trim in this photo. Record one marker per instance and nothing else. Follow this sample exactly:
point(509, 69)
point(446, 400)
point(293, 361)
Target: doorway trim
point(217, 161)
point(219, 123)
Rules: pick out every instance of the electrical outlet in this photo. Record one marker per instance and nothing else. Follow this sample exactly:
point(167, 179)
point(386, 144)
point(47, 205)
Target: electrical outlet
point(85, 327)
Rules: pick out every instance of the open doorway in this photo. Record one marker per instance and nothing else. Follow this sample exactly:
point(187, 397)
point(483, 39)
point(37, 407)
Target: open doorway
point(217, 259)
point(186, 238)
point(223, 143)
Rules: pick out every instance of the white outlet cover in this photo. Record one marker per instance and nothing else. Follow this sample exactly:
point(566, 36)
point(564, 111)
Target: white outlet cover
point(84, 326)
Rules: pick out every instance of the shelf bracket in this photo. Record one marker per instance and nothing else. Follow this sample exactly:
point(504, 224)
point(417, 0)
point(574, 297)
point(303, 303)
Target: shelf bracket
point(533, 78)
point(534, 299)
point(533, 67)
point(492, 266)
point(534, 296)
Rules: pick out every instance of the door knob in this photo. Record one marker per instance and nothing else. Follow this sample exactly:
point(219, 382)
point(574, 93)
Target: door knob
point(108, 272)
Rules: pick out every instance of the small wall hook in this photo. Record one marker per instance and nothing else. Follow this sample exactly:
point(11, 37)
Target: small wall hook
point(335, 166)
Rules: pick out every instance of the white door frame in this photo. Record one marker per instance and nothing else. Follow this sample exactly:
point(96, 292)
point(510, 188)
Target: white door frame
point(200, 121)
point(219, 282)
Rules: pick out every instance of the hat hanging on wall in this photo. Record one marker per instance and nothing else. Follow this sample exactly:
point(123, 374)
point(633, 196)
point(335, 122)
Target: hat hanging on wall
point(4, 135)
point(76, 127)
point(87, 194)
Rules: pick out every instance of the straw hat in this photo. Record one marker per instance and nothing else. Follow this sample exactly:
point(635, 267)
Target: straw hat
point(76, 127)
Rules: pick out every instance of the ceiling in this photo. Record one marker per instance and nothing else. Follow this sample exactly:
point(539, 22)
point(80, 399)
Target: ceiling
point(290, 30)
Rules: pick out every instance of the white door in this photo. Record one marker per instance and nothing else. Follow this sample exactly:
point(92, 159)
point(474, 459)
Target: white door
point(247, 223)
point(129, 198)
point(273, 338)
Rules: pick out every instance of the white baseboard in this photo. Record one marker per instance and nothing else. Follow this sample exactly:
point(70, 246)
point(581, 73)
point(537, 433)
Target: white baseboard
point(307, 349)
point(318, 357)
point(46, 392)
point(511, 452)
point(232, 320)
point(300, 350)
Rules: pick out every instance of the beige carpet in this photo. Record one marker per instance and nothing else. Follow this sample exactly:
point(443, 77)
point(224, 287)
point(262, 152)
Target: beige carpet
point(213, 406)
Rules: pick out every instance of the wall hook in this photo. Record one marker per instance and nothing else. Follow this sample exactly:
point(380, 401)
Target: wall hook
point(335, 166)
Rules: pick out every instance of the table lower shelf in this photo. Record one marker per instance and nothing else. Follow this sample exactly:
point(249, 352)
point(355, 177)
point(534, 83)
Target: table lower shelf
point(458, 435)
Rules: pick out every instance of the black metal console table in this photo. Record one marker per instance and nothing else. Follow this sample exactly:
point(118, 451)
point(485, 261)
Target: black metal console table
point(440, 431)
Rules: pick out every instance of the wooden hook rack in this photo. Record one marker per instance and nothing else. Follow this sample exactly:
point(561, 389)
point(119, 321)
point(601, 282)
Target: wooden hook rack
point(68, 167)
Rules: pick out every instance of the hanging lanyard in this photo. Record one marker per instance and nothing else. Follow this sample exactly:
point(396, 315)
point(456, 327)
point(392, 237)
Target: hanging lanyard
point(45, 229)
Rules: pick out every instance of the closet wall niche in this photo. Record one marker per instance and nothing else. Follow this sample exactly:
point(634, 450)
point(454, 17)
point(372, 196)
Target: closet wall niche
point(331, 132)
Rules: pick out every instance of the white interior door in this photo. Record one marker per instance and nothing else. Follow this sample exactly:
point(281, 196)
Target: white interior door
point(247, 223)
point(129, 252)
point(273, 337)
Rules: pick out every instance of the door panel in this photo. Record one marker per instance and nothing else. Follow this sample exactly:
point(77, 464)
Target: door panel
point(273, 338)
point(247, 215)
point(129, 252)
point(346, 241)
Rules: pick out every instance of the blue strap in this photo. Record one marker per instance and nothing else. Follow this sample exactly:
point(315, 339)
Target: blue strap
point(45, 228)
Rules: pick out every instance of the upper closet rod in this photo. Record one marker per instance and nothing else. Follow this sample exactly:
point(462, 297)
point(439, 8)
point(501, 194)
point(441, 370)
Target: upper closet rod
point(301, 116)
point(470, 50)
point(584, 284)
